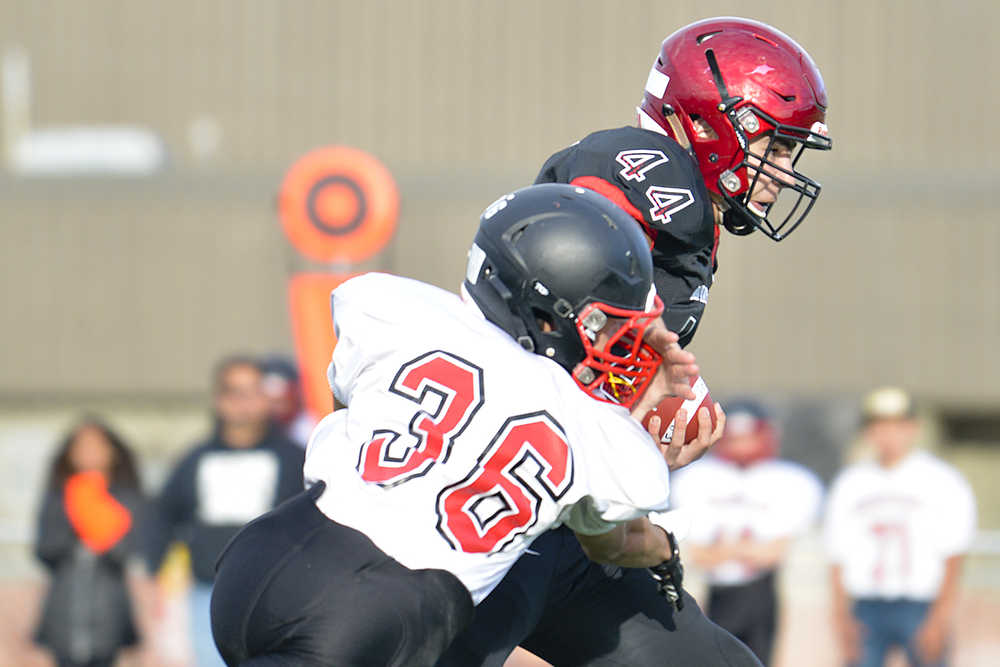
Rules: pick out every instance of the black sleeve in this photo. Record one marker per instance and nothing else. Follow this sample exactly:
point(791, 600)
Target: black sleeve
point(174, 508)
point(55, 538)
point(557, 168)
point(683, 303)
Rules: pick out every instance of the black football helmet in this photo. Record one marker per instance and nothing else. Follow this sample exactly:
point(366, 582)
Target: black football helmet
point(553, 265)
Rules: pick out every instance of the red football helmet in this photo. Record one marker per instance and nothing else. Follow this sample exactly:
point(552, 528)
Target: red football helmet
point(720, 83)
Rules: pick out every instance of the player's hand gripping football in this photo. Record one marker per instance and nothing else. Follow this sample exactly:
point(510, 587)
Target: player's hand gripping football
point(677, 453)
point(674, 379)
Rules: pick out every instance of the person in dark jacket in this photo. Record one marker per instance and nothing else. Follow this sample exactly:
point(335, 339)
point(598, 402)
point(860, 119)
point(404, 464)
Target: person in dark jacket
point(246, 468)
point(86, 532)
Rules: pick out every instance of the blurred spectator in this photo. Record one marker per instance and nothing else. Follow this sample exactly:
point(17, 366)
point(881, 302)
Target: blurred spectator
point(246, 468)
point(86, 532)
point(896, 530)
point(284, 396)
point(745, 507)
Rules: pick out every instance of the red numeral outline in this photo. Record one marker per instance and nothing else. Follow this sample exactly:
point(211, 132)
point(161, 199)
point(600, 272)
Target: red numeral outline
point(667, 201)
point(890, 537)
point(638, 161)
point(458, 387)
point(499, 499)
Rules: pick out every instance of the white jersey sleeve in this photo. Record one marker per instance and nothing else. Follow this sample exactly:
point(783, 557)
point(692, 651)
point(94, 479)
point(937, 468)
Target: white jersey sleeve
point(956, 520)
point(350, 355)
point(624, 483)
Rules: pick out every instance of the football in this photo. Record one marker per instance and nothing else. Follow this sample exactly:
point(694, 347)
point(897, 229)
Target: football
point(668, 407)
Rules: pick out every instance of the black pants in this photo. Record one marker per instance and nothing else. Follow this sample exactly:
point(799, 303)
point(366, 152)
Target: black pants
point(295, 588)
point(749, 611)
point(570, 611)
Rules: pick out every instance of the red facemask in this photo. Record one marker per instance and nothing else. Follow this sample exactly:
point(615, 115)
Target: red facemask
point(621, 369)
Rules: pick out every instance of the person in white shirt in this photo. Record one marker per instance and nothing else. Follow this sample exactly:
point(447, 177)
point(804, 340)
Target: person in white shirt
point(471, 427)
point(896, 531)
point(745, 508)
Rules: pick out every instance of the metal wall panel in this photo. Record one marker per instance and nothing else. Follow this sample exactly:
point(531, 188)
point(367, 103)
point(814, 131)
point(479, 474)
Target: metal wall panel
point(127, 287)
point(432, 83)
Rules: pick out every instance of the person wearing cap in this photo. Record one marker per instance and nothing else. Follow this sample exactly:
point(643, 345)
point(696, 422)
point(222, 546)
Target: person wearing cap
point(745, 507)
point(896, 530)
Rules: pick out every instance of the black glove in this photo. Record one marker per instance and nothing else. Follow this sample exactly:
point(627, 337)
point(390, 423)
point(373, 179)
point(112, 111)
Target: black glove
point(669, 575)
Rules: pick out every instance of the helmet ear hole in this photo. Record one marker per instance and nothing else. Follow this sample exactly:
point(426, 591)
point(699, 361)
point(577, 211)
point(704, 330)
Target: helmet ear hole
point(704, 131)
point(543, 320)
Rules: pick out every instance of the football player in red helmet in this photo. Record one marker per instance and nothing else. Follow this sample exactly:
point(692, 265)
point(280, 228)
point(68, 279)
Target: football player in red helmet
point(729, 108)
point(757, 105)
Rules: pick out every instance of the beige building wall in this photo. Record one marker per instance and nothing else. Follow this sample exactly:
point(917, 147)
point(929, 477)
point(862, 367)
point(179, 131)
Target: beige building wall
point(132, 287)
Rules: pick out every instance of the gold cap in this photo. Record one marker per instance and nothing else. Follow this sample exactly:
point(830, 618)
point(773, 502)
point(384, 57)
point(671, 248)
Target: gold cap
point(887, 403)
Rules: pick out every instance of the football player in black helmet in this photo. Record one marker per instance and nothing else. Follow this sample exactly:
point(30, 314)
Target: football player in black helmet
point(552, 267)
point(458, 446)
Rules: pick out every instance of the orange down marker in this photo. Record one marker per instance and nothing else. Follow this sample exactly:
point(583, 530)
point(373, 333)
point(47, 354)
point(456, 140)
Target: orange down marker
point(312, 331)
point(338, 205)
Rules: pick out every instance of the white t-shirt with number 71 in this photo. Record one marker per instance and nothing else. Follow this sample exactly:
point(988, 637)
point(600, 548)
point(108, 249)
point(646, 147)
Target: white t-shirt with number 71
point(891, 529)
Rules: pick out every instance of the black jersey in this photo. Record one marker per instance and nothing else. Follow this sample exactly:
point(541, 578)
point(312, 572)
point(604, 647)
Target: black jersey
point(658, 183)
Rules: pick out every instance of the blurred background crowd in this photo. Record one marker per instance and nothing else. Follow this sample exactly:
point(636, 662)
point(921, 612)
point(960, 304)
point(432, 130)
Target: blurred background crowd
point(150, 400)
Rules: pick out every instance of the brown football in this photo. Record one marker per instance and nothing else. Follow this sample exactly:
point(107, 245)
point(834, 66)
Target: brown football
point(668, 407)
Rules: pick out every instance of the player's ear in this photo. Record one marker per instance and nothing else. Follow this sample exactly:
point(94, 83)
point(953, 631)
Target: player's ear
point(544, 321)
point(703, 129)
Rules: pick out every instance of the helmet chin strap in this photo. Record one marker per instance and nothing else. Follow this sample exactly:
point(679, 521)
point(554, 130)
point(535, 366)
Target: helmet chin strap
point(498, 310)
point(646, 122)
point(736, 223)
point(516, 326)
point(722, 213)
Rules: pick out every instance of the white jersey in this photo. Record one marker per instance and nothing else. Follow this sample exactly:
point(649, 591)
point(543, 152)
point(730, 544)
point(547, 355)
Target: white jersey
point(891, 529)
point(459, 447)
point(766, 501)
